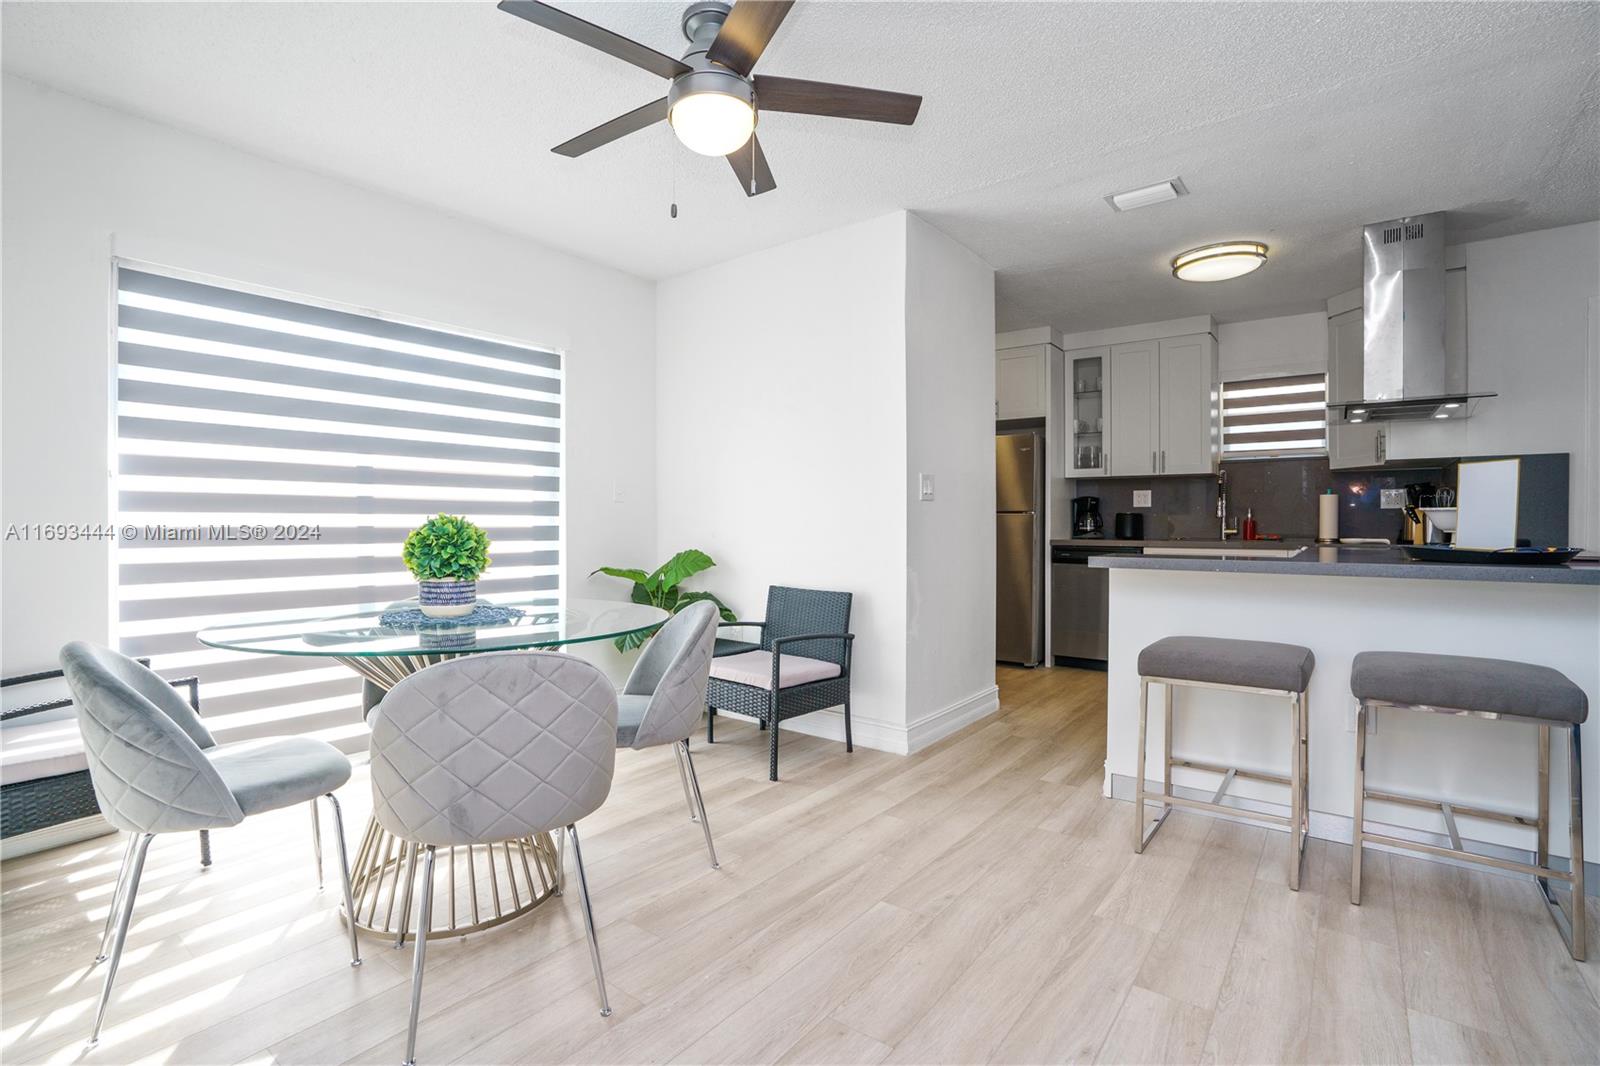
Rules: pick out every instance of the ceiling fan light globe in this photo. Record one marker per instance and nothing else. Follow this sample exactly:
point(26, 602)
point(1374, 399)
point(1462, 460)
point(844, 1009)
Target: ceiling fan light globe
point(712, 123)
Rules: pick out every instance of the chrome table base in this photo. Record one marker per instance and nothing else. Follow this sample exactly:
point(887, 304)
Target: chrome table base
point(477, 887)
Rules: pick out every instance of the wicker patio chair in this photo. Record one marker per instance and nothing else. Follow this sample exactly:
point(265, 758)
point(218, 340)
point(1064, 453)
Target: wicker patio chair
point(800, 665)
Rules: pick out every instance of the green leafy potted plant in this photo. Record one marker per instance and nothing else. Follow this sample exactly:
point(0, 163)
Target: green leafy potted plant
point(446, 554)
point(662, 588)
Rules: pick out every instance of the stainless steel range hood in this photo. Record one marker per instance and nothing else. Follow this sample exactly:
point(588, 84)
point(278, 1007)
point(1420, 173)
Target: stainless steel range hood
point(1407, 373)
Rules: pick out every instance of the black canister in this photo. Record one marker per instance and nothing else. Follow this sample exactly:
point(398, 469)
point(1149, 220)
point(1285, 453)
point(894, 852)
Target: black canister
point(1129, 525)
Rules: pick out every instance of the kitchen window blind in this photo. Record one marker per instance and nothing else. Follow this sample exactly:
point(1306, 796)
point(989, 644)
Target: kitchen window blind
point(238, 414)
point(1276, 416)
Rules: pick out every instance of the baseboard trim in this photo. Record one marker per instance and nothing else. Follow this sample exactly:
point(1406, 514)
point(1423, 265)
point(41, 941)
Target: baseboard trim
point(932, 728)
point(54, 836)
point(1337, 828)
point(882, 735)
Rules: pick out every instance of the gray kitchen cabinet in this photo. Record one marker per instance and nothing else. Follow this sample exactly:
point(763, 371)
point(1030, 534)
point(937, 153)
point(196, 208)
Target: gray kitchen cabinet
point(1021, 382)
point(1132, 425)
point(1349, 446)
point(1187, 406)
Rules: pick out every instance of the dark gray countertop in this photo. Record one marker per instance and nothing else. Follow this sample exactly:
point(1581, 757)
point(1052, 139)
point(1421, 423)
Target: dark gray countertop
point(1112, 542)
point(1346, 562)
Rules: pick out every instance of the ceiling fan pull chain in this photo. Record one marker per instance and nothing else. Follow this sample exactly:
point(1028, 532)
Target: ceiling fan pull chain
point(752, 164)
point(672, 166)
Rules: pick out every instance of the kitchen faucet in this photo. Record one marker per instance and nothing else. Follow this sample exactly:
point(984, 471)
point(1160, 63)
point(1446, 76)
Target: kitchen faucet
point(1222, 503)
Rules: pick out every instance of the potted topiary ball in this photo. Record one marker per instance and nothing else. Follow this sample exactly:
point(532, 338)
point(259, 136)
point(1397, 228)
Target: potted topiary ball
point(446, 554)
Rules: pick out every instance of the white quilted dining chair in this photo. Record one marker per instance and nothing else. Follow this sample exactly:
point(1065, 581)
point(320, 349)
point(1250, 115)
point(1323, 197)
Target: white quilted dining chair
point(490, 748)
point(665, 697)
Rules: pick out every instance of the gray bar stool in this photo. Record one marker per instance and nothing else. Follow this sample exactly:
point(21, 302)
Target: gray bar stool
point(1479, 688)
point(1253, 666)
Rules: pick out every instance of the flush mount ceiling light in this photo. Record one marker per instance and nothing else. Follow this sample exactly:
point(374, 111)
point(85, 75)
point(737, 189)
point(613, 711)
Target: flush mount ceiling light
point(1219, 262)
point(1158, 193)
point(711, 112)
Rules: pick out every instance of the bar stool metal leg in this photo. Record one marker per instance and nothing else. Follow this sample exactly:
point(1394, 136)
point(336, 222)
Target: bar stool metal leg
point(1138, 776)
point(1166, 750)
point(1296, 767)
point(1356, 822)
point(1572, 924)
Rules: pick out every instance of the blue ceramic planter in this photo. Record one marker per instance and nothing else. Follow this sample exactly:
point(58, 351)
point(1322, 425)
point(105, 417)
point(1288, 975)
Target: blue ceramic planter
point(448, 598)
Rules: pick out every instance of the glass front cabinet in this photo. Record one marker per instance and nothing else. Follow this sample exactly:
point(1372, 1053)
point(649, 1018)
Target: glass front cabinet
point(1087, 383)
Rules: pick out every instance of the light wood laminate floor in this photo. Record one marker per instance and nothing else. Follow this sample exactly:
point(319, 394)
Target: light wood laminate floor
point(978, 902)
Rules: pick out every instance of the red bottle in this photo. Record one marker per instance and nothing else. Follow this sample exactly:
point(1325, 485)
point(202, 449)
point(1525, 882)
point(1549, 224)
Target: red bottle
point(1249, 530)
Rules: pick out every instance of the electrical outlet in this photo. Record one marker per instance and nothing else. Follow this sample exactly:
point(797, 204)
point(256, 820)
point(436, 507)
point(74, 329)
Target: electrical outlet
point(1141, 497)
point(1392, 499)
point(925, 486)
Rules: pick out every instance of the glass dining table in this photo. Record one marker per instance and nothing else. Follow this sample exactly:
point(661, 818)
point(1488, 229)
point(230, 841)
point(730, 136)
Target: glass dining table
point(479, 886)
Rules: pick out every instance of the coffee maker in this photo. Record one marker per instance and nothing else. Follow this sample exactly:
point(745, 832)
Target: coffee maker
point(1086, 516)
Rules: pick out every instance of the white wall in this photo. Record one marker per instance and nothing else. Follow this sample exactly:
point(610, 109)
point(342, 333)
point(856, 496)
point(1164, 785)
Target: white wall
point(782, 437)
point(82, 183)
point(950, 540)
point(1266, 347)
point(790, 421)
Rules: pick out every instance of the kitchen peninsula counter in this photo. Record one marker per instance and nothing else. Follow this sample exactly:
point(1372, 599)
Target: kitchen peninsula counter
point(1344, 561)
point(1341, 601)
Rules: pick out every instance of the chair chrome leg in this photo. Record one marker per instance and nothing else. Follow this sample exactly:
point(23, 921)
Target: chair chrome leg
point(683, 778)
point(424, 921)
point(116, 897)
point(344, 872)
point(316, 842)
point(1357, 821)
point(205, 848)
point(700, 804)
point(588, 923)
point(129, 894)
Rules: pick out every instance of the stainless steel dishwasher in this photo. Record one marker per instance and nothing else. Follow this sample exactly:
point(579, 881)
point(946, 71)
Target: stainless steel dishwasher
point(1080, 600)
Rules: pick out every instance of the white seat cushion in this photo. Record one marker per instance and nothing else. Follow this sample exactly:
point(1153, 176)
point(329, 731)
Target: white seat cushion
point(755, 668)
point(31, 750)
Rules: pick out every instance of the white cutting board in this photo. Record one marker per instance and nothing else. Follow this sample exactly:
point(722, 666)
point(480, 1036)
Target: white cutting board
point(1486, 502)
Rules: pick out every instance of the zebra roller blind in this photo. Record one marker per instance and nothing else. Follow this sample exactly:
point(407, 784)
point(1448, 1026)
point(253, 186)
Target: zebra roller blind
point(1275, 416)
point(271, 457)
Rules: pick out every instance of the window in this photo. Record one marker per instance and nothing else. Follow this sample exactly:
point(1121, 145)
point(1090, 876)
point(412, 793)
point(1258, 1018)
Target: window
point(236, 410)
point(1270, 417)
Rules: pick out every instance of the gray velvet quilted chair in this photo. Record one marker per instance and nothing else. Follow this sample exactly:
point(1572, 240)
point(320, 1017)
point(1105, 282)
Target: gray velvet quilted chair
point(666, 694)
point(490, 748)
point(156, 769)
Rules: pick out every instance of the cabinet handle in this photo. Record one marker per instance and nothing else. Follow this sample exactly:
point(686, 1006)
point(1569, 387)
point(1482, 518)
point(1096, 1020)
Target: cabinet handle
point(1163, 460)
point(1152, 462)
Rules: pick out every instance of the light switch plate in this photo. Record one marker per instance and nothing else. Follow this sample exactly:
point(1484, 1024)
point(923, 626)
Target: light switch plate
point(925, 486)
point(1392, 499)
point(1141, 497)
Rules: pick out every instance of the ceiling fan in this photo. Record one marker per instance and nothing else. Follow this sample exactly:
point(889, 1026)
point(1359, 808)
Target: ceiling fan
point(713, 100)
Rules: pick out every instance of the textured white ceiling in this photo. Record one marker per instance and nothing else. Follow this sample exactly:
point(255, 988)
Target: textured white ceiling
point(1291, 123)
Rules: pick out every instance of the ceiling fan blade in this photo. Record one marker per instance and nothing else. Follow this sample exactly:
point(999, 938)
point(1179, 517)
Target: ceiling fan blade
point(745, 33)
point(835, 101)
point(613, 44)
point(752, 157)
point(635, 120)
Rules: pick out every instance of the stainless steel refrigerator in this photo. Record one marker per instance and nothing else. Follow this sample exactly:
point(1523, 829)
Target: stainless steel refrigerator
point(1019, 547)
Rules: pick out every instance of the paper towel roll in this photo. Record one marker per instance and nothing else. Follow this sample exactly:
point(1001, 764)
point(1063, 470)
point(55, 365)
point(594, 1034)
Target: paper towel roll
point(1328, 517)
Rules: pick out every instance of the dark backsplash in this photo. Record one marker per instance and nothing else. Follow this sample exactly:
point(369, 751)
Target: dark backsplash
point(1282, 494)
